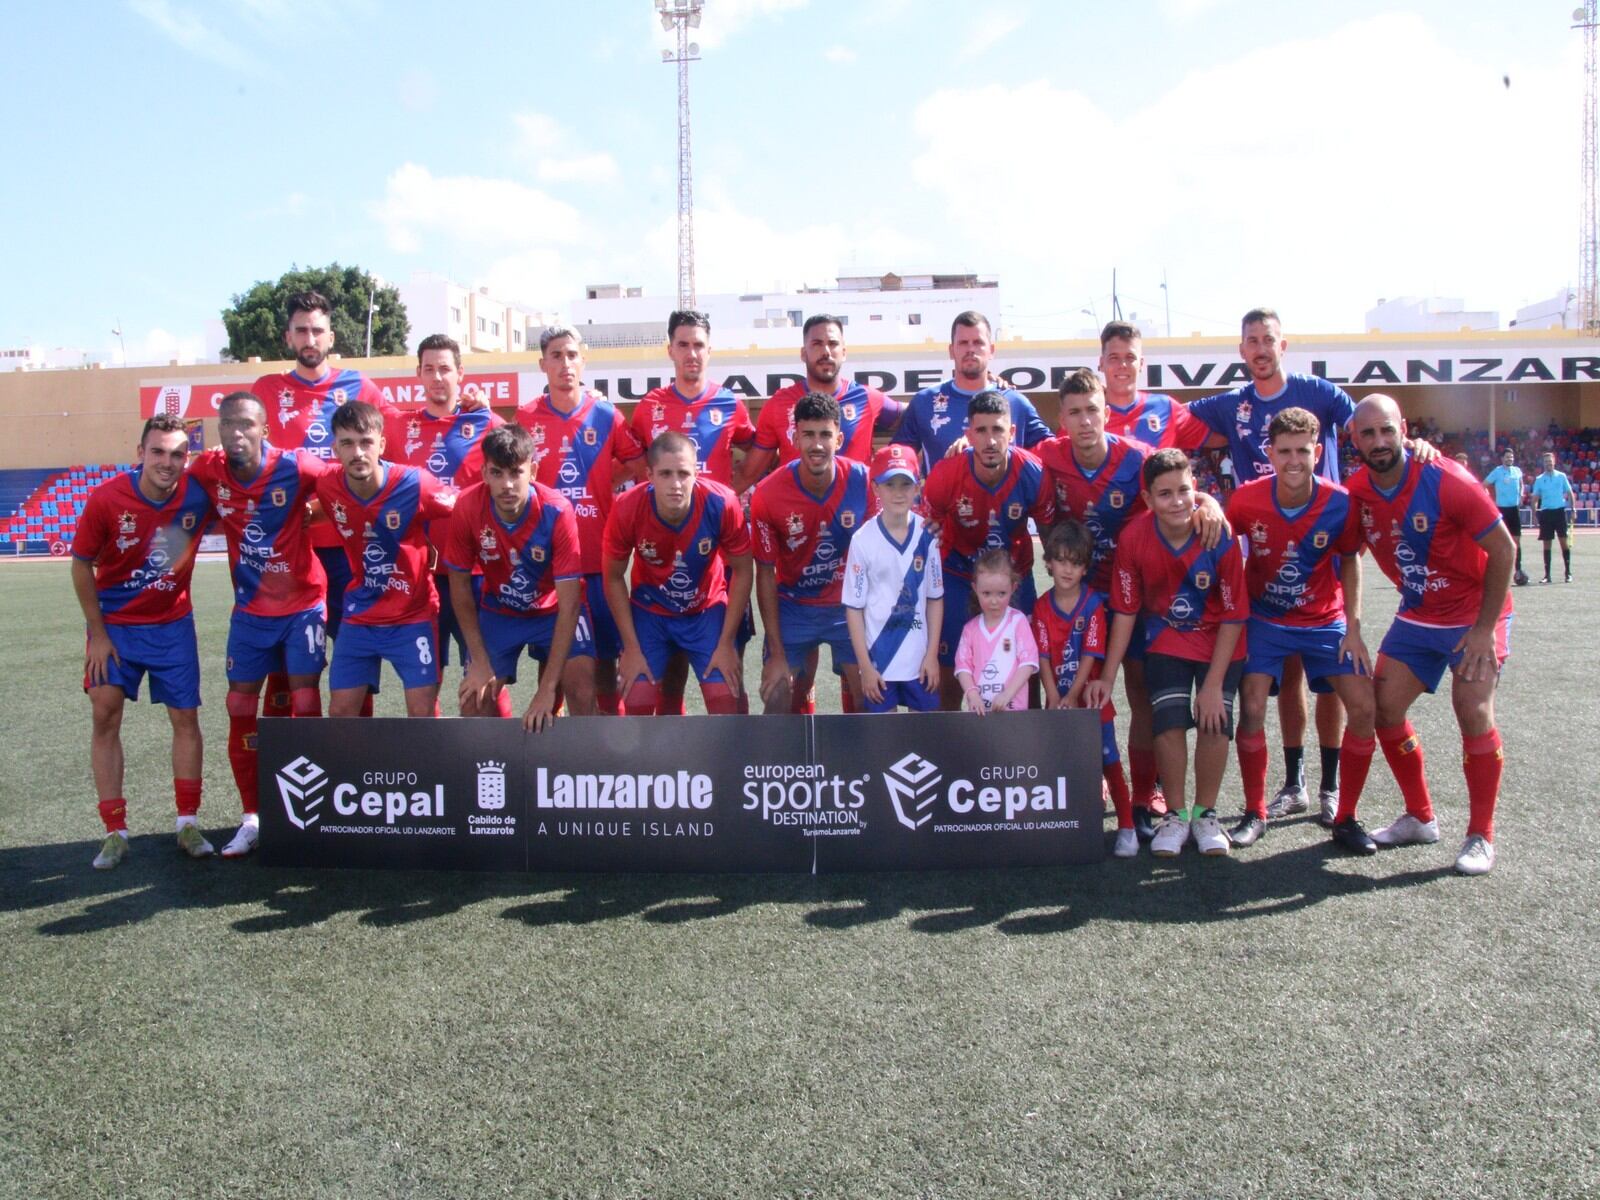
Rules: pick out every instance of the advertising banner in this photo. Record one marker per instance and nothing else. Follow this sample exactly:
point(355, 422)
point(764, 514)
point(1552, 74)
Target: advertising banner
point(818, 794)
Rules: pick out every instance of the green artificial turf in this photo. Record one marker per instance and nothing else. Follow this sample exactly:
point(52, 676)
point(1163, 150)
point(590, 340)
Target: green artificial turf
point(1284, 1022)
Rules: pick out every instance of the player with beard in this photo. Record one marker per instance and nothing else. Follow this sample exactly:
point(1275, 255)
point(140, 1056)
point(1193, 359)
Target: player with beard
point(936, 418)
point(1435, 533)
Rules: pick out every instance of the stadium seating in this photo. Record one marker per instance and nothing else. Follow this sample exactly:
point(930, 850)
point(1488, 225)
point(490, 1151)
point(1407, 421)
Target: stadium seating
point(43, 505)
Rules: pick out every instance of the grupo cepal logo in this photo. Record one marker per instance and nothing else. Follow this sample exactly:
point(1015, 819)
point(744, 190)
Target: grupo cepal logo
point(806, 796)
point(381, 802)
point(1002, 796)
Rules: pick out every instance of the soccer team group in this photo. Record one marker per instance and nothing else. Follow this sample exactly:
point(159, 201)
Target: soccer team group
point(617, 552)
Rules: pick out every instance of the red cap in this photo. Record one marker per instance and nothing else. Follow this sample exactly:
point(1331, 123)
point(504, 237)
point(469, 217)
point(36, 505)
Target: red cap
point(894, 461)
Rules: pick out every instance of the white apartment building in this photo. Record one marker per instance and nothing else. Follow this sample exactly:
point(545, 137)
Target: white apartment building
point(1430, 314)
point(479, 321)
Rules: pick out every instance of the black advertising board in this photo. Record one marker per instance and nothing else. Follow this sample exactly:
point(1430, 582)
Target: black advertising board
point(392, 792)
point(818, 794)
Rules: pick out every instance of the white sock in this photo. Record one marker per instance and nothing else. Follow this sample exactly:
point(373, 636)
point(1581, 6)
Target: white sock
point(182, 821)
point(121, 833)
point(252, 819)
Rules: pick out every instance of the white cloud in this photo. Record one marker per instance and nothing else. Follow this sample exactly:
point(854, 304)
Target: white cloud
point(1186, 12)
point(839, 54)
point(160, 346)
point(1295, 174)
point(599, 167)
point(537, 131)
point(471, 209)
point(188, 31)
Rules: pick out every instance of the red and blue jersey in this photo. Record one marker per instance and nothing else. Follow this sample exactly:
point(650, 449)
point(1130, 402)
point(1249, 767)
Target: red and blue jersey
point(143, 552)
point(300, 417)
point(1104, 499)
point(1186, 593)
point(582, 455)
point(1424, 536)
point(804, 537)
point(715, 421)
point(863, 411)
point(1158, 420)
point(1066, 639)
point(973, 515)
point(448, 448)
point(936, 418)
point(275, 574)
point(1292, 569)
point(521, 563)
point(1243, 417)
point(678, 569)
point(385, 543)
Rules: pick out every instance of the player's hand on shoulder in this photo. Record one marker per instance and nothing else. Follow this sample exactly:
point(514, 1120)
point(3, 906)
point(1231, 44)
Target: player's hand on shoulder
point(1422, 450)
point(1209, 521)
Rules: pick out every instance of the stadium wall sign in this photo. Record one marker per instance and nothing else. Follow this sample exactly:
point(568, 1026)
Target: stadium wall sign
point(818, 794)
point(1029, 373)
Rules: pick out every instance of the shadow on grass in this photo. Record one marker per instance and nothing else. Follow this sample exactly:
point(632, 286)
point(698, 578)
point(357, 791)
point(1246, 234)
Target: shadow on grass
point(155, 879)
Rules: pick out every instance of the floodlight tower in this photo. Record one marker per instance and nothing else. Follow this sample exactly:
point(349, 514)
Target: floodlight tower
point(683, 15)
point(1587, 19)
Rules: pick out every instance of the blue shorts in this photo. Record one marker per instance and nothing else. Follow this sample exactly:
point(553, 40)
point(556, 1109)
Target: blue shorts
point(337, 568)
point(1267, 644)
point(695, 634)
point(168, 653)
point(506, 636)
point(958, 610)
point(808, 626)
point(360, 652)
point(257, 646)
point(449, 627)
point(602, 625)
point(903, 693)
point(1429, 650)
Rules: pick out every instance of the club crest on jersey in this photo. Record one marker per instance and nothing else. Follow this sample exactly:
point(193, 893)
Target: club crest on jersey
point(187, 522)
point(702, 548)
point(648, 552)
point(1319, 539)
point(847, 519)
point(917, 563)
point(716, 416)
point(339, 396)
point(1153, 421)
point(278, 497)
point(849, 411)
point(1419, 522)
point(1116, 498)
point(1014, 511)
point(590, 437)
point(536, 553)
point(469, 431)
point(391, 520)
point(1202, 581)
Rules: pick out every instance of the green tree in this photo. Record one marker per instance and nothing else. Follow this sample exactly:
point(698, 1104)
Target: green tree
point(255, 320)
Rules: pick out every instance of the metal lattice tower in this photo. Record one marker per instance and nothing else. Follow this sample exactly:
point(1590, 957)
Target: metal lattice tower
point(1587, 19)
point(682, 16)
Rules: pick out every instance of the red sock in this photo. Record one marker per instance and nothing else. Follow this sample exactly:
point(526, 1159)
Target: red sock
point(114, 814)
point(720, 700)
point(607, 702)
point(276, 698)
point(502, 703)
point(306, 702)
point(1252, 751)
point(1403, 750)
point(1483, 761)
point(242, 756)
point(670, 704)
point(1355, 760)
point(187, 792)
point(1142, 767)
point(436, 708)
point(643, 699)
point(366, 705)
point(847, 702)
point(1121, 799)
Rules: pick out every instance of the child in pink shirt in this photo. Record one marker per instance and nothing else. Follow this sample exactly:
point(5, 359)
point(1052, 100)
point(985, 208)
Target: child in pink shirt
point(997, 651)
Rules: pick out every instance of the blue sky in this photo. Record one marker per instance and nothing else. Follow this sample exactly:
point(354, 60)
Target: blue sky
point(165, 154)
